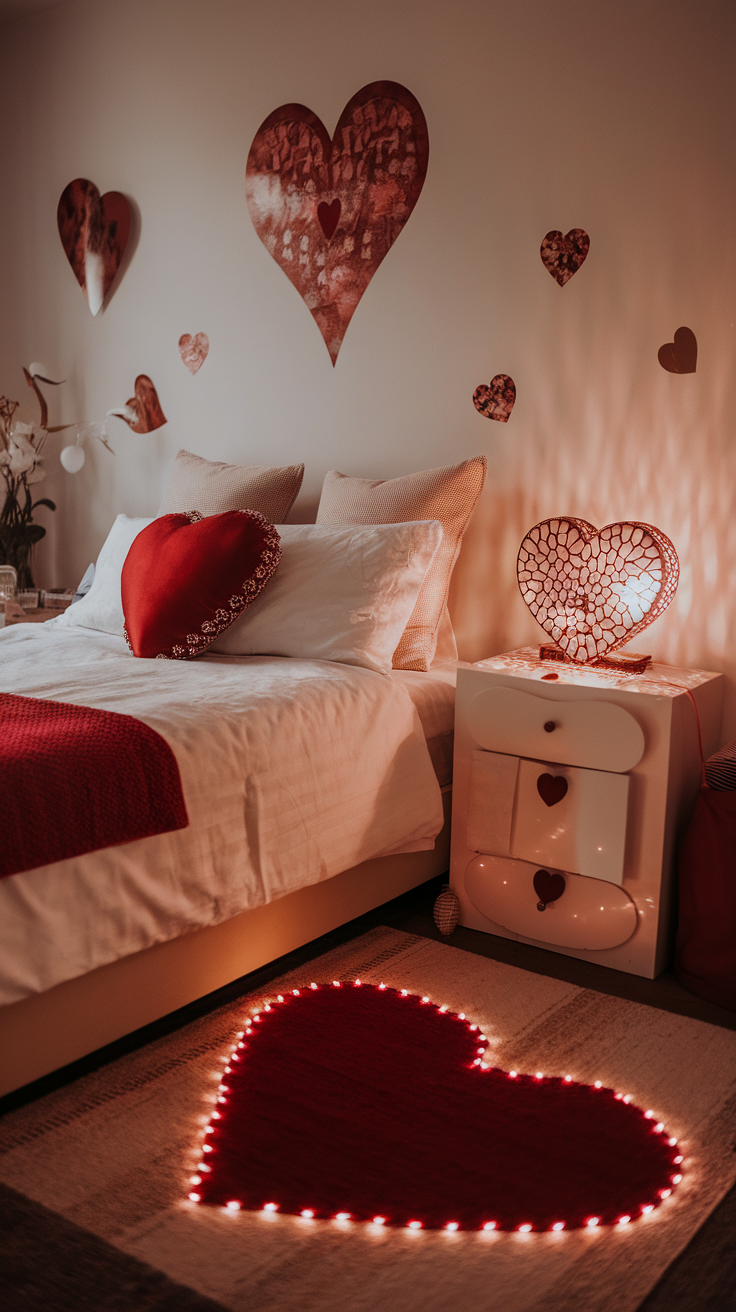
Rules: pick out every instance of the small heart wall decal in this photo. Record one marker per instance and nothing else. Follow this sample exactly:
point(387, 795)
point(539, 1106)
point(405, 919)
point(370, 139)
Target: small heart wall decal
point(548, 886)
point(194, 350)
point(562, 256)
point(681, 355)
point(497, 400)
point(551, 788)
point(364, 1103)
point(592, 591)
point(329, 209)
point(94, 232)
point(142, 412)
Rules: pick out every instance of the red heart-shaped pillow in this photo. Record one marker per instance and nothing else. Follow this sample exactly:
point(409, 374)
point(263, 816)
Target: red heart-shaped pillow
point(373, 1104)
point(185, 579)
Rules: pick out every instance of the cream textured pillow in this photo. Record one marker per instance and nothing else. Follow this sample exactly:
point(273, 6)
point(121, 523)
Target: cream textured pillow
point(448, 495)
point(338, 594)
point(212, 487)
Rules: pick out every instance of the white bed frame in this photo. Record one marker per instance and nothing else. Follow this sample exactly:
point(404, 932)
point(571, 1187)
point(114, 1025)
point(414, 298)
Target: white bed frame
point(44, 1032)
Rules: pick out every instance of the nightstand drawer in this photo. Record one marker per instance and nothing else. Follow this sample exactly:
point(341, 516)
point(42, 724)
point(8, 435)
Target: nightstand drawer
point(557, 815)
point(596, 734)
point(591, 914)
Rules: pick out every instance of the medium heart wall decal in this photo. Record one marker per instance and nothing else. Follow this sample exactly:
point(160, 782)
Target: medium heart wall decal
point(94, 232)
point(142, 412)
point(329, 210)
point(194, 350)
point(562, 256)
point(681, 355)
point(551, 788)
point(365, 1103)
point(593, 591)
point(497, 400)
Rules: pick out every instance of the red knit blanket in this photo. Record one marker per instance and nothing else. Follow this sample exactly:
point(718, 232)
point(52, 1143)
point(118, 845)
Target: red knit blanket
point(73, 780)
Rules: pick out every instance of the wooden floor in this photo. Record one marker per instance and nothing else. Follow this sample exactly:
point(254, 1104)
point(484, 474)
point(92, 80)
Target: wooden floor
point(703, 1278)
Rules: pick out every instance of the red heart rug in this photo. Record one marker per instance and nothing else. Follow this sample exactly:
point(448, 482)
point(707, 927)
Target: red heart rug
point(328, 211)
point(680, 356)
point(94, 232)
point(562, 256)
point(194, 350)
point(366, 1103)
point(185, 579)
point(497, 400)
point(592, 590)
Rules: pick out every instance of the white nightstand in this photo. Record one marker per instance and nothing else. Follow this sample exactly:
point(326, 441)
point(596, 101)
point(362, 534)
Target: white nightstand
point(587, 774)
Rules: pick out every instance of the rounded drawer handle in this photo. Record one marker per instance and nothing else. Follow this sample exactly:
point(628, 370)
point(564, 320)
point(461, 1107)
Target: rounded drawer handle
point(549, 726)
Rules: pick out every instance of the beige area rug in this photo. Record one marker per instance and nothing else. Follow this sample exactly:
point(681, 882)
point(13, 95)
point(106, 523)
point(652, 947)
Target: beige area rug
point(113, 1153)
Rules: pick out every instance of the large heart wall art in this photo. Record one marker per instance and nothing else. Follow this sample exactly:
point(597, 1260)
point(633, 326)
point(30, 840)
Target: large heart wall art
point(94, 232)
point(592, 591)
point(496, 401)
point(563, 254)
point(352, 1102)
point(329, 210)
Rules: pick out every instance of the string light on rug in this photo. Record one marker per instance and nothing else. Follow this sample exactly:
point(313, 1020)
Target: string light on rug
point(218, 1132)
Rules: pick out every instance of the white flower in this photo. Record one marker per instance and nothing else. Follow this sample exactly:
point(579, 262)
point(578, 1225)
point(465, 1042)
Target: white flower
point(37, 474)
point(22, 453)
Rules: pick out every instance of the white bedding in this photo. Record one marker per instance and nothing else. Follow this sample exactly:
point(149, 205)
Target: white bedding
point(292, 771)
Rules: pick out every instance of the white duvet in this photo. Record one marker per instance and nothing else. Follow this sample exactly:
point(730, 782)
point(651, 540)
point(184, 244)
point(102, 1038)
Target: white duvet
point(292, 770)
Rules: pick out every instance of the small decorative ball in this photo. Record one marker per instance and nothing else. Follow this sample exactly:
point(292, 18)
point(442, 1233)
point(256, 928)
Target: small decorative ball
point(72, 458)
point(446, 910)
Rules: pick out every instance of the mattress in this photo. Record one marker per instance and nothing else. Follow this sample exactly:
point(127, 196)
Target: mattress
point(433, 694)
point(292, 770)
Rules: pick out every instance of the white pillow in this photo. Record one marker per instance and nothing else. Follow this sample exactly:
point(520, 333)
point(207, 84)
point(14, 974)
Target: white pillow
point(339, 594)
point(102, 608)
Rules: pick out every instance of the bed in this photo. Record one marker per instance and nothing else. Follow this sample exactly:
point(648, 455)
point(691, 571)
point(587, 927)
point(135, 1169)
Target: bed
point(316, 780)
point(315, 791)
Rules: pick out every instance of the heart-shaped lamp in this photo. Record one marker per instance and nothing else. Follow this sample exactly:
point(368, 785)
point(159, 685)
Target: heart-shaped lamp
point(592, 591)
point(185, 579)
point(94, 232)
point(329, 210)
point(364, 1103)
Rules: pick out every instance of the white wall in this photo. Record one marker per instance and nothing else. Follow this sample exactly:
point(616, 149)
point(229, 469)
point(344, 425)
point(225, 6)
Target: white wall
point(616, 117)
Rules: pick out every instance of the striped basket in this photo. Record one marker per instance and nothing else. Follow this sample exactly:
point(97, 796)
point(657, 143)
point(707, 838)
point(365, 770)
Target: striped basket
point(720, 769)
point(446, 910)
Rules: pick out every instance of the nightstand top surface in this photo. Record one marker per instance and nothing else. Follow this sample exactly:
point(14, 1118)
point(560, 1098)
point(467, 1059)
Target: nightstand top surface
point(658, 680)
